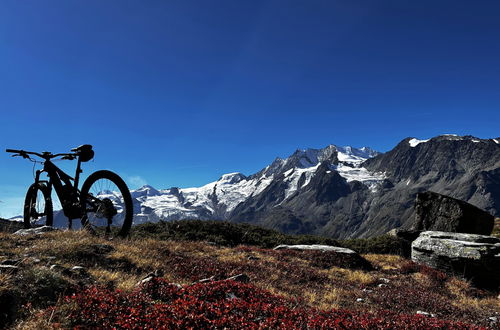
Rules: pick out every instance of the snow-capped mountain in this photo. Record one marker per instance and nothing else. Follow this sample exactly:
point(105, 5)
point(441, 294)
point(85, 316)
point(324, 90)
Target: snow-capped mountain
point(217, 200)
point(340, 192)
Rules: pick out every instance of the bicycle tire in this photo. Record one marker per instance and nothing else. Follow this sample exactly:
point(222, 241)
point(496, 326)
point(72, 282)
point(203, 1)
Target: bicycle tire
point(31, 214)
point(96, 211)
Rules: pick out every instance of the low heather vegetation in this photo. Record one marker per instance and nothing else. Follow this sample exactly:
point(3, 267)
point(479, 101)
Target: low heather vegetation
point(286, 288)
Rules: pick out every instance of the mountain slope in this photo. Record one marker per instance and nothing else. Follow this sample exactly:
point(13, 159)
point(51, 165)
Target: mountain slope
point(340, 192)
point(273, 185)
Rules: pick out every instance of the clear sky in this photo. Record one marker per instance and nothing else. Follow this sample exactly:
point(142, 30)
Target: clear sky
point(176, 93)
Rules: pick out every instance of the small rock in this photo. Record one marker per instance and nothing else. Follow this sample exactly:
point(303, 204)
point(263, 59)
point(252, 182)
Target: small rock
point(144, 280)
point(367, 290)
point(206, 280)
point(58, 268)
point(385, 280)
point(493, 319)
point(78, 269)
point(231, 296)
point(425, 314)
point(253, 258)
point(242, 278)
point(360, 300)
point(35, 260)
point(50, 258)
point(382, 285)
point(9, 269)
point(149, 277)
point(35, 231)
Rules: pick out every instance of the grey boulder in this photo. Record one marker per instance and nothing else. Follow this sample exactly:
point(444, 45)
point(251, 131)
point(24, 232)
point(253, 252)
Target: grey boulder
point(471, 256)
point(438, 212)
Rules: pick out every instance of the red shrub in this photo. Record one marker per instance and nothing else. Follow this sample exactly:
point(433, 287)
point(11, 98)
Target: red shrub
point(224, 304)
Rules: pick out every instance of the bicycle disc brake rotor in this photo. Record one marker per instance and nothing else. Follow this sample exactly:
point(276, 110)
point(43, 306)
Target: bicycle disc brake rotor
point(106, 209)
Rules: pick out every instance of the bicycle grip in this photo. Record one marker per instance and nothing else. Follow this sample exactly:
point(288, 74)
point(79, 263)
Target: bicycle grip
point(13, 150)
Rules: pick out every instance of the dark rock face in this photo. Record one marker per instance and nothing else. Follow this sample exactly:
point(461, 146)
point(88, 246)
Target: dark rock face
point(463, 167)
point(437, 212)
point(474, 257)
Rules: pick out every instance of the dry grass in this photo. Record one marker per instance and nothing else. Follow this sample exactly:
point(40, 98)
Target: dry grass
point(461, 289)
point(385, 261)
point(287, 275)
point(5, 281)
point(496, 228)
point(356, 277)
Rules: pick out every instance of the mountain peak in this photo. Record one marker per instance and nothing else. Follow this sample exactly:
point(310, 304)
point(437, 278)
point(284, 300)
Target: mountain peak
point(413, 142)
point(231, 178)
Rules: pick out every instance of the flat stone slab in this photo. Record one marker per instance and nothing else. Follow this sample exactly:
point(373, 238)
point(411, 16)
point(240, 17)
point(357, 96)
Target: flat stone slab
point(471, 256)
point(316, 247)
point(35, 231)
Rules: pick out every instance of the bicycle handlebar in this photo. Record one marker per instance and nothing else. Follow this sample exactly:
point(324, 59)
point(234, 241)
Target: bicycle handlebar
point(44, 155)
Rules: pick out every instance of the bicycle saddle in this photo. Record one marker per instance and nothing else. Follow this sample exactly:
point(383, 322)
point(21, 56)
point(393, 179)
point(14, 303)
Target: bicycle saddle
point(85, 152)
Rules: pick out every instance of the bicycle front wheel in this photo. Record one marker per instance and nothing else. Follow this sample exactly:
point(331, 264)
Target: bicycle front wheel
point(38, 206)
point(107, 205)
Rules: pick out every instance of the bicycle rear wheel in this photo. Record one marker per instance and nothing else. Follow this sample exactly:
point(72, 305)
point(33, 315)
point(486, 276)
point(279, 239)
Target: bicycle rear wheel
point(107, 205)
point(38, 206)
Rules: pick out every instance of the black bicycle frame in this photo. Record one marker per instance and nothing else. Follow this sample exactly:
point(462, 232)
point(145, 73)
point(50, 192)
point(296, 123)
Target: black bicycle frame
point(67, 191)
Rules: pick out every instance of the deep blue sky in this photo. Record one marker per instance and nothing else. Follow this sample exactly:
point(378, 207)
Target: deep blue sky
point(176, 93)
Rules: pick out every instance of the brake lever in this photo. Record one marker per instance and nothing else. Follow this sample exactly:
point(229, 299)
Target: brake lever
point(21, 155)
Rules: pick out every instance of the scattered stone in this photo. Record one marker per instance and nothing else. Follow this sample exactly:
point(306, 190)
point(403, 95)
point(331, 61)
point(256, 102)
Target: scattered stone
point(474, 257)
point(35, 231)
point(360, 300)
point(425, 314)
point(36, 260)
point(50, 258)
point(205, 280)
point(436, 212)
point(58, 268)
point(242, 278)
point(317, 247)
point(253, 258)
point(78, 271)
point(9, 269)
point(382, 285)
point(385, 280)
point(231, 296)
point(145, 280)
point(367, 290)
point(493, 319)
point(149, 277)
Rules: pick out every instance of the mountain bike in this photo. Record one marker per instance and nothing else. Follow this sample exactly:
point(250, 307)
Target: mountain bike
point(103, 205)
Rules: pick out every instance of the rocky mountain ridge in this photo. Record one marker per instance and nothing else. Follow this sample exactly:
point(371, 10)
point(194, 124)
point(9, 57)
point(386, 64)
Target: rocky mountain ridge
point(339, 192)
